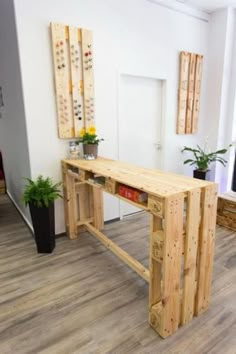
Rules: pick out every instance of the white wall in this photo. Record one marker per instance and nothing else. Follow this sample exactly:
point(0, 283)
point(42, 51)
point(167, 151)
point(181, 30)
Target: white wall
point(221, 84)
point(13, 137)
point(132, 36)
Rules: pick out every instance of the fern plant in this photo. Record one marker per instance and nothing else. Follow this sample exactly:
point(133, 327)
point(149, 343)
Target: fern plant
point(202, 159)
point(41, 192)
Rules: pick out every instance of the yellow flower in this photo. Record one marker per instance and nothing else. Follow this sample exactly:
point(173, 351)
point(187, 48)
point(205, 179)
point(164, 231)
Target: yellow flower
point(91, 130)
point(81, 132)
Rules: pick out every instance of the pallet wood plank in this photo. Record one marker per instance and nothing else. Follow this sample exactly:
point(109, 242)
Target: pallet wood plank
point(183, 92)
point(87, 53)
point(190, 95)
point(190, 254)
point(110, 186)
point(156, 205)
point(197, 88)
point(65, 195)
point(62, 81)
point(98, 208)
point(71, 207)
point(156, 316)
point(174, 207)
point(154, 265)
point(85, 202)
point(206, 247)
point(76, 78)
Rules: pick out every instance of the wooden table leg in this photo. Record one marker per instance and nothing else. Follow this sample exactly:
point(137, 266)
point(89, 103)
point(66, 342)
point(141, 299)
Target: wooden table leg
point(155, 268)
point(165, 314)
point(206, 247)
point(69, 203)
point(190, 255)
point(83, 203)
point(98, 208)
point(90, 205)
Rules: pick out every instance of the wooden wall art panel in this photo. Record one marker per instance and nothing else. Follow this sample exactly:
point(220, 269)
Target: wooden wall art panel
point(74, 82)
point(190, 75)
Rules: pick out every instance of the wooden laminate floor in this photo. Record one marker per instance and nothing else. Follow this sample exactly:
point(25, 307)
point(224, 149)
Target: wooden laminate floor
point(82, 299)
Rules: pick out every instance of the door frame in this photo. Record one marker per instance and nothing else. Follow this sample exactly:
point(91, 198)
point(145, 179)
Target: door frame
point(163, 112)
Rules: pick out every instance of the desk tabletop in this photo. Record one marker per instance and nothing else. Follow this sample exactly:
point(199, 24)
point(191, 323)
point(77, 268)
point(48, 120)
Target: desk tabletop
point(152, 181)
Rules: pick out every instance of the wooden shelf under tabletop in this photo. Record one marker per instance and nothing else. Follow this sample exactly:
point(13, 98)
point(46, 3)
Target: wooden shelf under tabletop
point(183, 219)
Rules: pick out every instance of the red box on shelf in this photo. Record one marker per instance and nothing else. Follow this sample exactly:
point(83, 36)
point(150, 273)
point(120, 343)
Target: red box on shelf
point(132, 194)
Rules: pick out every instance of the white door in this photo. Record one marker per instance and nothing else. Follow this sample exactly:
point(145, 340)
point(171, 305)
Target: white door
point(140, 113)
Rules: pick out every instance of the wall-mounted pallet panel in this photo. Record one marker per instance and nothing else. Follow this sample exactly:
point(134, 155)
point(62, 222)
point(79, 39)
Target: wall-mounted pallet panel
point(190, 74)
point(183, 91)
point(74, 83)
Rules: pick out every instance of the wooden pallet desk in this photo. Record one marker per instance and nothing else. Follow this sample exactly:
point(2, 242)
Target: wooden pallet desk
point(182, 232)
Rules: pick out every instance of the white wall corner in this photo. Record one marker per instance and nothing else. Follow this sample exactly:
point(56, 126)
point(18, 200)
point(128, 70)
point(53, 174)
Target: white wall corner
point(227, 99)
point(24, 217)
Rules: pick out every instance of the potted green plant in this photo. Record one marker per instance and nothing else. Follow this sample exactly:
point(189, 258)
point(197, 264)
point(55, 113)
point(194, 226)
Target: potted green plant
point(90, 141)
point(202, 160)
point(40, 194)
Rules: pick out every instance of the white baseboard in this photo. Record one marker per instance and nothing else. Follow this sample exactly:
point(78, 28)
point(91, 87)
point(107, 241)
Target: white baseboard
point(20, 211)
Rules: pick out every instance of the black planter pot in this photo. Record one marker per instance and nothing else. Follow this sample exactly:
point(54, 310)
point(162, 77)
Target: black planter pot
point(44, 227)
point(90, 149)
point(201, 174)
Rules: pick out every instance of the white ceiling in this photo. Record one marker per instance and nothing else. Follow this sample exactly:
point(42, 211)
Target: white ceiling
point(208, 5)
